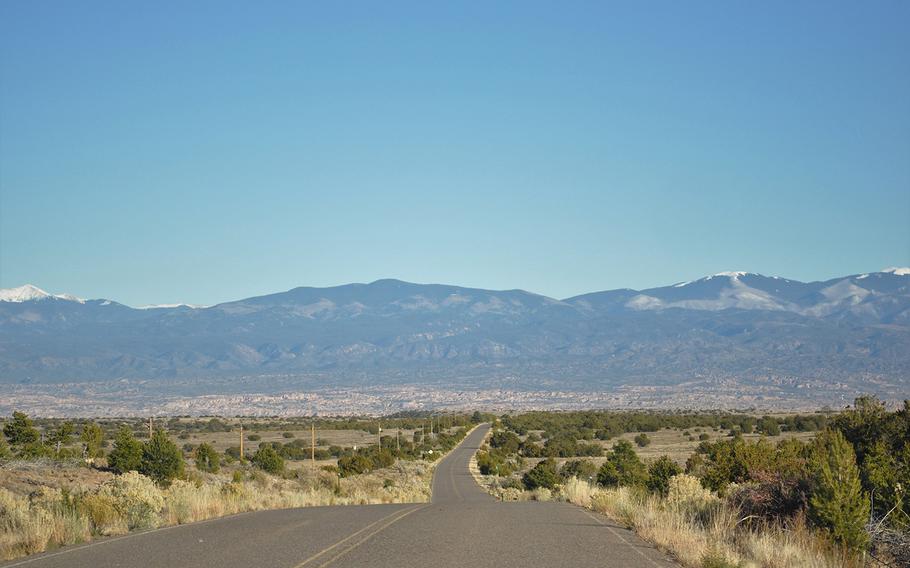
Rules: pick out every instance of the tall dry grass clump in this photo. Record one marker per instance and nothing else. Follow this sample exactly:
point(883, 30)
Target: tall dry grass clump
point(29, 524)
point(578, 492)
point(22, 529)
point(701, 530)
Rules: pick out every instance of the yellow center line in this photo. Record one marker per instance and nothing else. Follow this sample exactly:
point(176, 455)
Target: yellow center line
point(371, 535)
point(326, 550)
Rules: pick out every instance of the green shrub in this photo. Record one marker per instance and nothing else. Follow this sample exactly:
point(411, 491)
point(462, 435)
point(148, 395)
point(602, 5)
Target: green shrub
point(92, 438)
point(622, 468)
point(35, 450)
point(353, 465)
point(207, 459)
point(254, 437)
point(506, 441)
point(768, 426)
point(659, 474)
point(62, 435)
point(162, 460)
point(585, 470)
point(127, 453)
point(268, 460)
point(642, 440)
point(734, 461)
point(542, 475)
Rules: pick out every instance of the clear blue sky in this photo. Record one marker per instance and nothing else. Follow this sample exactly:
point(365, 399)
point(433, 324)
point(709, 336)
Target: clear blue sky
point(156, 152)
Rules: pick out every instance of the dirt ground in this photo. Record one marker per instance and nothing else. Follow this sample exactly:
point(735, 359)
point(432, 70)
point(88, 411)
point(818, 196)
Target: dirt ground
point(26, 477)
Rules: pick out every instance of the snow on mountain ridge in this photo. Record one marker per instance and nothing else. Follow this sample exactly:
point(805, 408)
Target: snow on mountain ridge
point(735, 294)
point(31, 293)
point(729, 274)
point(733, 275)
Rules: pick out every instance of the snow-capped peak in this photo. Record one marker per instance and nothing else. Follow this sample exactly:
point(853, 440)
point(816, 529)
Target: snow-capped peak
point(29, 293)
point(734, 275)
point(898, 271)
point(23, 294)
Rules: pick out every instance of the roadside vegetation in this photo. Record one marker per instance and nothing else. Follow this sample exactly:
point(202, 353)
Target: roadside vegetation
point(775, 499)
point(64, 483)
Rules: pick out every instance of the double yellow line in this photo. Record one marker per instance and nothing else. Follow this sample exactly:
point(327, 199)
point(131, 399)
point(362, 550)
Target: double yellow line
point(383, 523)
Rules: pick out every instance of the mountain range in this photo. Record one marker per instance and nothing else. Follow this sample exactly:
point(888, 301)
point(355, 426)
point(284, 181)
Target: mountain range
point(853, 329)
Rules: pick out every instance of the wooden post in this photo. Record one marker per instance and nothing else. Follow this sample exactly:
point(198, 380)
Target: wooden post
point(150, 427)
point(241, 442)
point(313, 444)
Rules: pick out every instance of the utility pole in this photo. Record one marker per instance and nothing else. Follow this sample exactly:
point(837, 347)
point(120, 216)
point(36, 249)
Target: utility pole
point(313, 444)
point(398, 440)
point(241, 442)
point(379, 434)
point(150, 427)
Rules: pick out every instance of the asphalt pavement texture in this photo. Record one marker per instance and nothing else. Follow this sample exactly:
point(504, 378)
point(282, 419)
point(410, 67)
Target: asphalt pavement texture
point(462, 526)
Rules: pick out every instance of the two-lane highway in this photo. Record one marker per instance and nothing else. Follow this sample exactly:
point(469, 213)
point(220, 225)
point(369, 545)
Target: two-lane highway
point(463, 526)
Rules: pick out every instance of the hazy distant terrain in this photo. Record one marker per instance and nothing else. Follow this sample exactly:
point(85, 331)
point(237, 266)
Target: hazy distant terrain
point(731, 332)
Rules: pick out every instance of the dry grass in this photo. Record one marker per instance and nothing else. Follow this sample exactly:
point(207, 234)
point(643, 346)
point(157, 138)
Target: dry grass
point(672, 442)
point(700, 530)
point(49, 517)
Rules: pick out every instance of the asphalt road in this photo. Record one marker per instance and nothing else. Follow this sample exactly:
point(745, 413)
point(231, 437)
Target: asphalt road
point(463, 526)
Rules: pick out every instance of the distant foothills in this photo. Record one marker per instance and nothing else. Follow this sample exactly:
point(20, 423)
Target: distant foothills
point(736, 329)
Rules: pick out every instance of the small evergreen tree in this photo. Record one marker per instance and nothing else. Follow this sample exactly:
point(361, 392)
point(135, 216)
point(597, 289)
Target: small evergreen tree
point(769, 426)
point(880, 475)
point(642, 440)
point(127, 453)
point(585, 470)
point(92, 437)
point(659, 474)
point(542, 475)
point(863, 425)
point(207, 459)
point(20, 431)
point(35, 450)
point(607, 475)
point(354, 465)
point(838, 503)
point(268, 460)
point(62, 435)
point(162, 460)
point(622, 467)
